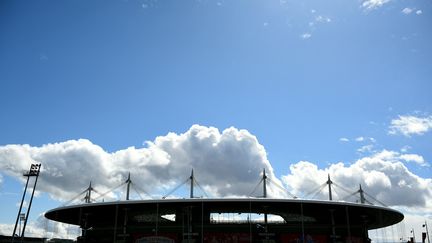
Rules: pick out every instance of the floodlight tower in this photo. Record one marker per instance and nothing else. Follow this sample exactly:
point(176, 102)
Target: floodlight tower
point(33, 172)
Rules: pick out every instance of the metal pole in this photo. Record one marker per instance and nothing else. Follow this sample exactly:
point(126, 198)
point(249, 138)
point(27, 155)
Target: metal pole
point(191, 184)
point(348, 224)
point(302, 223)
point(89, 193)
point(115, 224)
point(250, 221)
point(19, 230)
point(30, 204)
point(157, 219)
point(128, 181)
point(265, 196)
point(362, 198)
point(333, 225)
point(202, 221)
point(264, 184)
point(412, 231)
point(427, 231)
point(329, 182)
point(125, 223)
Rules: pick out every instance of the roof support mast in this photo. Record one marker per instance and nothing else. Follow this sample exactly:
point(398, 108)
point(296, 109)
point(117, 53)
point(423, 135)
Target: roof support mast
point(87, 198)
point(329, 182)
point(362, 197)
point(128, 181)
point(191, 184)
point(264, 184)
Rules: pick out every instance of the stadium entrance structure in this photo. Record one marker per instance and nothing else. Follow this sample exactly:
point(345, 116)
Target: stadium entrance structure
point(225, 220)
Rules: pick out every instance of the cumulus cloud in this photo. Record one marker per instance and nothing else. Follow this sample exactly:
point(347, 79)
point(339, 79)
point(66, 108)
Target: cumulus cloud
point(344, 139)
point(383, 175)
point(226, 163)
point(419, 12)
point(409, 125)
point(373, 4)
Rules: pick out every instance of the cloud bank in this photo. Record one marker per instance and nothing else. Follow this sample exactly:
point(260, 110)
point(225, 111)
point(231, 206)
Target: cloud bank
point(226, 163)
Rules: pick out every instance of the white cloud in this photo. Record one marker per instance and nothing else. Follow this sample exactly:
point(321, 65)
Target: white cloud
point(344, 139)
point(366, 149)
point(306, 36)
point(409, 125)
point(233, 156)
point(314, 23)
point(407, 10)
point(374, 4)
point(382, 175)
point(405, 148)
point(322, 19)
point(363, 139)
point(414, 158)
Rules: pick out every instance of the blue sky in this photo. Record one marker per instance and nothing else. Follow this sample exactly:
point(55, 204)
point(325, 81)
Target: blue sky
point(309, 79)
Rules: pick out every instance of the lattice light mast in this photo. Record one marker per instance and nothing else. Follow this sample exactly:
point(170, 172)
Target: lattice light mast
point(33, 172)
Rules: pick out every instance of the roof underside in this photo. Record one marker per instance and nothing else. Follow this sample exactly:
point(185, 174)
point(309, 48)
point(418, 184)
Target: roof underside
point(319, 211)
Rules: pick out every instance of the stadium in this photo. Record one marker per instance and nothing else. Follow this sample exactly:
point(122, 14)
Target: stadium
point(226, 219)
